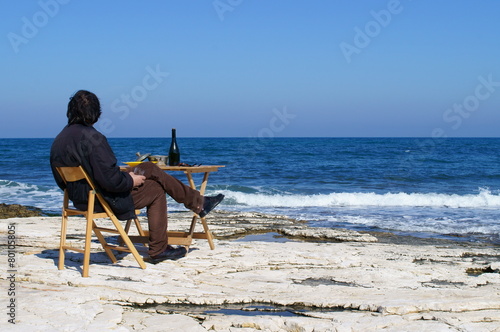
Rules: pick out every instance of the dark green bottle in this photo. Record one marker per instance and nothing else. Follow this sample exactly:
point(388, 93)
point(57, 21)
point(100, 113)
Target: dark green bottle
point(174, 155)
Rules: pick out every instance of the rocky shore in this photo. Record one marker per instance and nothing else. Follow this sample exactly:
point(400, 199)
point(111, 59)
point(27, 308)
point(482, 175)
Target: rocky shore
point(16, 210)
point(267, 273)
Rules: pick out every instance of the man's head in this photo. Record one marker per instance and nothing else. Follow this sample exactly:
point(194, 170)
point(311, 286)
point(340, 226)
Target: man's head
point(83, 108)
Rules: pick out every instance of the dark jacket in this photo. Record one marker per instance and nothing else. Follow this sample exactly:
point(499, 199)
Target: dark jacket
point(82, 145)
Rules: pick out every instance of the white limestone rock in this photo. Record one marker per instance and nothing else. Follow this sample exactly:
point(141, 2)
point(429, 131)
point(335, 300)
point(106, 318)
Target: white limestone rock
point(321, 233)
point(330, 286)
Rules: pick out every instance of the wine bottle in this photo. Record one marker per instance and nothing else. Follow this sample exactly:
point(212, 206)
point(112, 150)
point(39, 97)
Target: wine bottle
point(174, 155)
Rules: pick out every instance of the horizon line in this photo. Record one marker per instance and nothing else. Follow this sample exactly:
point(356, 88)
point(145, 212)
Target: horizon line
point(278, 137)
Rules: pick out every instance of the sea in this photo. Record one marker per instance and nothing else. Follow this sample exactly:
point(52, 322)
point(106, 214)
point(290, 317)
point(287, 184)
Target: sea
point(447, 188)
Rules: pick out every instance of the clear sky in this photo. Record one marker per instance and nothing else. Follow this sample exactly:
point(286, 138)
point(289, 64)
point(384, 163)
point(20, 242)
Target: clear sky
point(248, 68)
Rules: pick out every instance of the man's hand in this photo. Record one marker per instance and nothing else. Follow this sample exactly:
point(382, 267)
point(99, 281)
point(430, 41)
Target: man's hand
point(138, 179)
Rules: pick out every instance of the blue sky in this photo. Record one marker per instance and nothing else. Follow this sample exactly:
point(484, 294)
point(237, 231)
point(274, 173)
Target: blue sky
point(244, 68)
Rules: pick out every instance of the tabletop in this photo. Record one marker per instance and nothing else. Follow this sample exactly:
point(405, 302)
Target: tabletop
point(192, 169)
point(188, 169)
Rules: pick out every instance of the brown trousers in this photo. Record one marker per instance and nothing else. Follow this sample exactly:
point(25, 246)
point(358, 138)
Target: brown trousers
point(152, 196)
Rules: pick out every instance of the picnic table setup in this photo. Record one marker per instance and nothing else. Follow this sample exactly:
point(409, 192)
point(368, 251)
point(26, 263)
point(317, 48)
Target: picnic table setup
point(177, 237)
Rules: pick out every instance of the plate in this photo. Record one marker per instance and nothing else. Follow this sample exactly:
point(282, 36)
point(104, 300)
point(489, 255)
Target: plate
point(135, 163)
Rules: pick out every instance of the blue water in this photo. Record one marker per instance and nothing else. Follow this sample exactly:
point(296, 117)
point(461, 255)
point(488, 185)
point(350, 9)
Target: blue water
point(447, 188)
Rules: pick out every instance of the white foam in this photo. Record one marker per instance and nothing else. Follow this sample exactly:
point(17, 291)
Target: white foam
point(426, 224)
point(484, 199)
point(411, 212)
point(49, 198)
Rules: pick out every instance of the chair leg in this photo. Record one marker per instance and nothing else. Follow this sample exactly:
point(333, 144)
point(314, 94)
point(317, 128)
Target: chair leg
point(127, 225)
point(88, 239)
point(127, 241)
point(139, 227)
point(103, 242)
point(62, 251)
point(127, 228)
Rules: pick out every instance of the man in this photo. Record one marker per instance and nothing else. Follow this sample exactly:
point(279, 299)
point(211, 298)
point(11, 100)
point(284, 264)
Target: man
point(145, 185)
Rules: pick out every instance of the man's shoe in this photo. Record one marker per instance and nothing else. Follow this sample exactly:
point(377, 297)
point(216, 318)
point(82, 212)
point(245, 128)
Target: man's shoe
point(169, 253)
point(210, 203)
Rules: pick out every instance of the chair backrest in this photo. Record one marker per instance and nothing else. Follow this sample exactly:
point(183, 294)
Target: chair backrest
point(72, 174)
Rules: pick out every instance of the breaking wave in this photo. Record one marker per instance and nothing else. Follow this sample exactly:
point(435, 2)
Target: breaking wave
point(483, 199)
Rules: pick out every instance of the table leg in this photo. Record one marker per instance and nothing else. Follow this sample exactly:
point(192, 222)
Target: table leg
point(204, 183)
point(208, 233)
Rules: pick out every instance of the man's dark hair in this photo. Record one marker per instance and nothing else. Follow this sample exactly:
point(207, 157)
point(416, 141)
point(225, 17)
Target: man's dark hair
point(83, 108)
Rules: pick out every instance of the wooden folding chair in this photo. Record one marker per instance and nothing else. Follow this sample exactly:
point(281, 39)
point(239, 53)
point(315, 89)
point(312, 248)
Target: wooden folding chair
point(71, 174)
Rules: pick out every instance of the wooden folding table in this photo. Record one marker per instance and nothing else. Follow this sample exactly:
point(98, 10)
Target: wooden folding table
point(186, 238)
